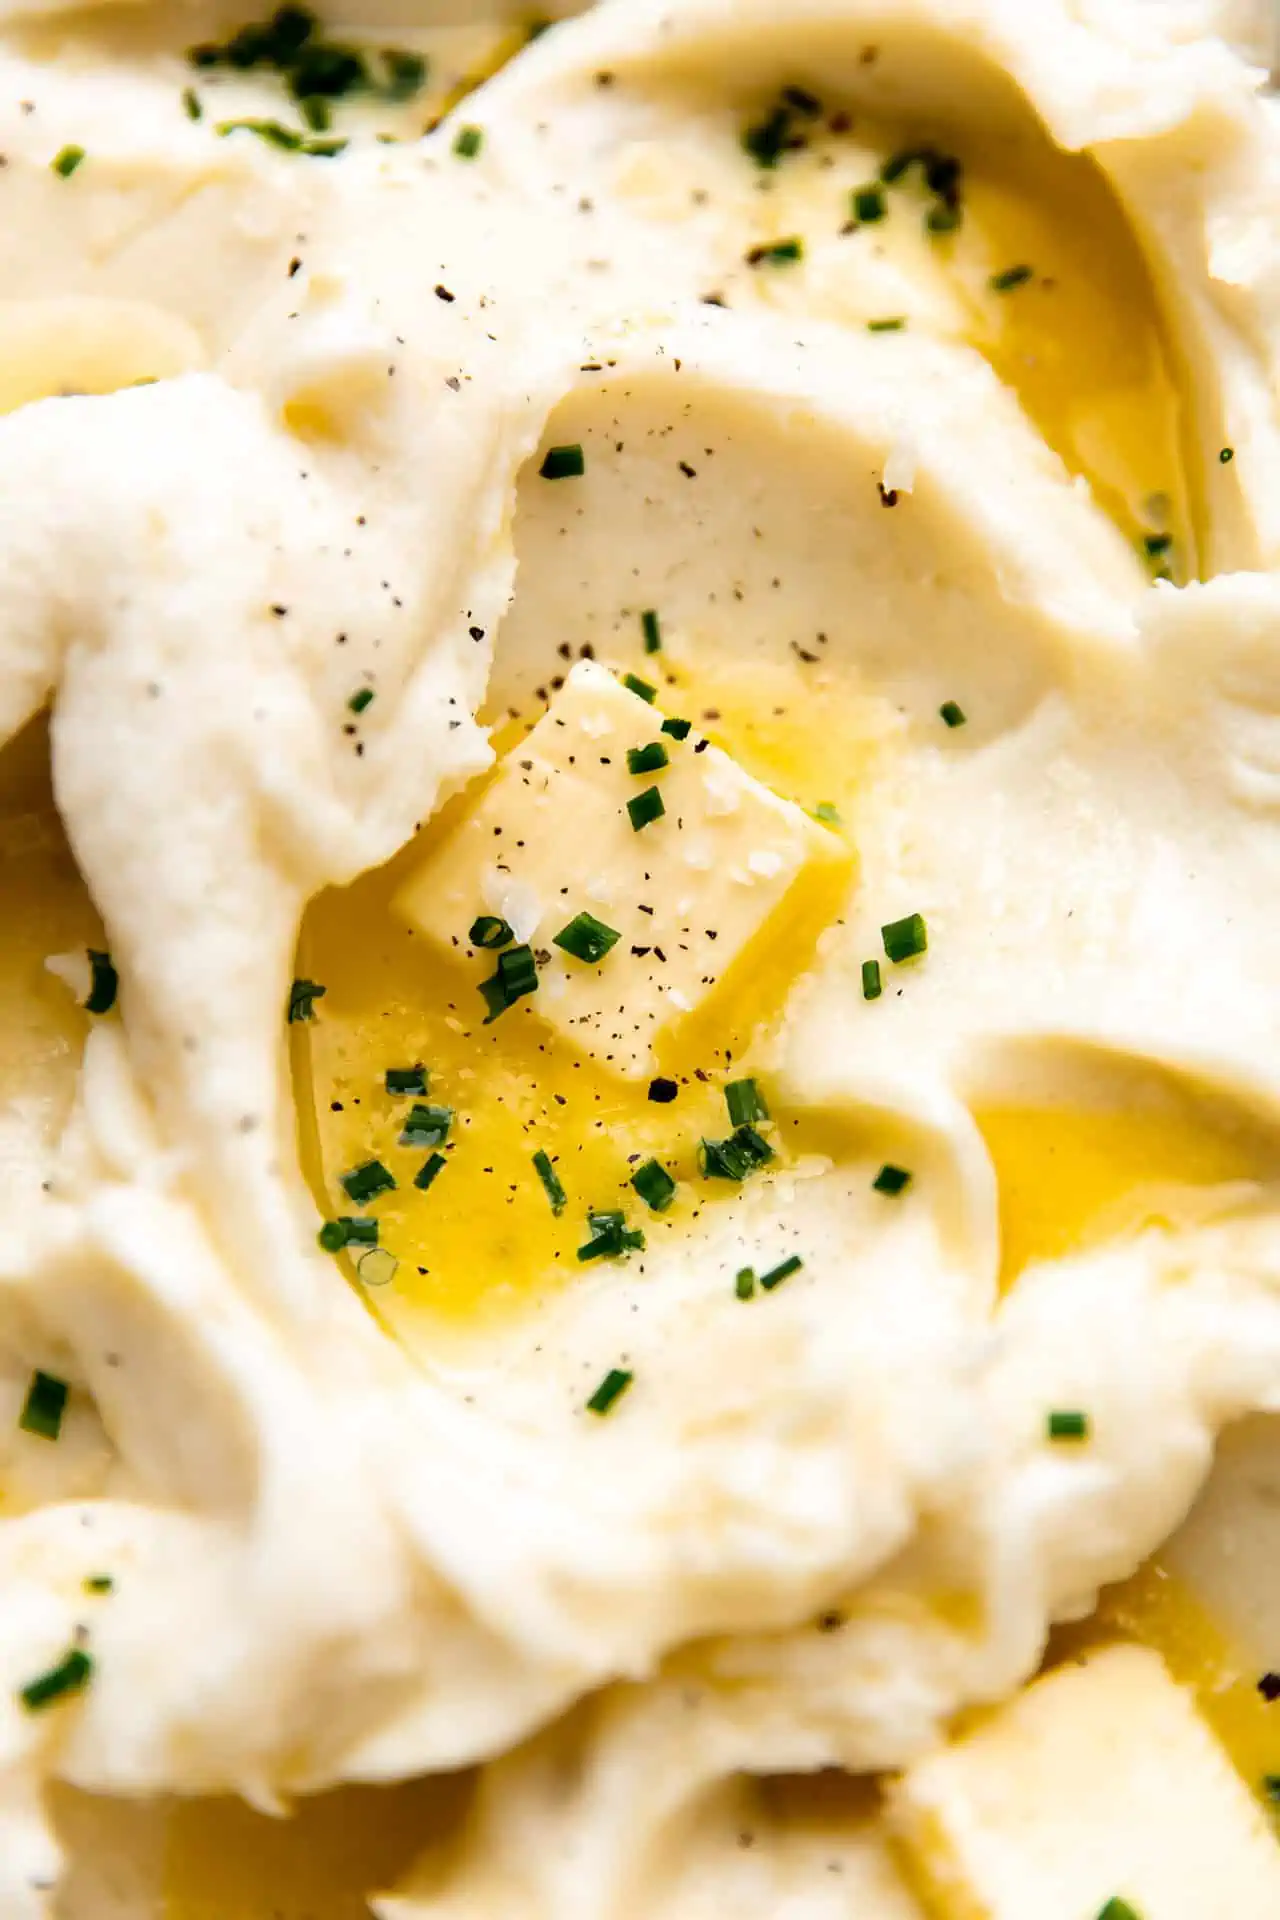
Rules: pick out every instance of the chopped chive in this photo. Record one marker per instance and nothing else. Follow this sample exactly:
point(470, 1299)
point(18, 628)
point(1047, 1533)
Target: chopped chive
point(550, 1182)
point(904, 939)
point(647, 759)
point(891, 1180)
point(468, 142)
point(98, 1583)
point(744, 1284)
point(67, 160)
point(104, 983)
point(361, 699)
point(406, 1079)
point(678, 729)
point(586, 938)
point(1010, 278)
point(324, 149)
point(377, 1268)
point(955, 716)
point(783, 1271)
point(428, 1171)
point(191, 104)
point(316, 111)
point(71, 1675)
point(894, 324)
point(1067, 1424)
point(272, 132)
point(303, 995)
point(406, 74)
point(777, 253)
point(654, 1185)
point(1226, 455)
point(868, 203)
point(871, 987)
point(610, 1238)
point(641, 688)
point(489, 931)
point(736, 1157)
point(1271, 1787)
point(1154, 544)
point(611, 1388)
point(1118, 1909)
point(517, 975)
point(767, 141)
point(828, 813)
point(348, 1230)
point(563, 463)
point(43, 1408)
point(651, 628)
point(745, 1102)
point(942, 218)
point(367, 1181)
point(426, 1126)
point(644, 808)
point(897, 164)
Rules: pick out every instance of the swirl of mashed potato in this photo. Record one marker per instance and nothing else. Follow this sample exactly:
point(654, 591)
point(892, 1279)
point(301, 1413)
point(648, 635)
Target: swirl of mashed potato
point(886, 391)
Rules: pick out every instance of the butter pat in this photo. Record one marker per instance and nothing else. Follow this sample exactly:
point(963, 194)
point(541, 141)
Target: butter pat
point(695, 894)
point(1100, 1781)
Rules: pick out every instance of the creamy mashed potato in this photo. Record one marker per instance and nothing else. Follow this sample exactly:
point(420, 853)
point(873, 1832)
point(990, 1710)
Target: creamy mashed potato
point(641, 1136)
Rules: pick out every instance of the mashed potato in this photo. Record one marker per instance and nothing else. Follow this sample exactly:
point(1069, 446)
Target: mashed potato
point(668, 700)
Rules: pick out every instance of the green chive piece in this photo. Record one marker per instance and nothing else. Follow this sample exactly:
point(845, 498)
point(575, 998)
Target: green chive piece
point(1154, 544)
point(348, 1230)
point(406, 74)
point(324, 149)
point(44, 1406)
point(428, 1171)
point(303, 995)
point(767, 141)
point(896, 323)
point(71, 1675)
point(98, 1583)
point(783, 1271)
point(1226, 455)
point(904, 939)
point(550, 1182)
point(563, 463)
point(1010, 278)
point(891, 1179)
point(317, 112)
point(654, 1185)
point(942, 218)
point(777, 253)
point(611, 1388)
point(641, 688)
point(426, 1126)
point(828, 813)
point(745, 1102)
point(272, 132)
point(744, 1284)
point(868, 203)
point(105, 982)
point(361, 699)
point(651, 628)
point(517, 975)
point(191, 104)
point(490, 932)
point(1118, 1909)
point(468, 142)
point(954, 716)
point(67, 160)
point(647, 759)
point(367, 1181)
point(586, 938)
point(871, 987)
point(406, 1079)
point(1067, 1424)
point(678, 729)
point(1271, 1787)
point(644, 808)
point(611, 1238)
point(736, 1157)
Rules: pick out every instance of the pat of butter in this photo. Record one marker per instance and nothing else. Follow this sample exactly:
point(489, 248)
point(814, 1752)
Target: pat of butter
point(688, 893)
point(1101, 1782)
